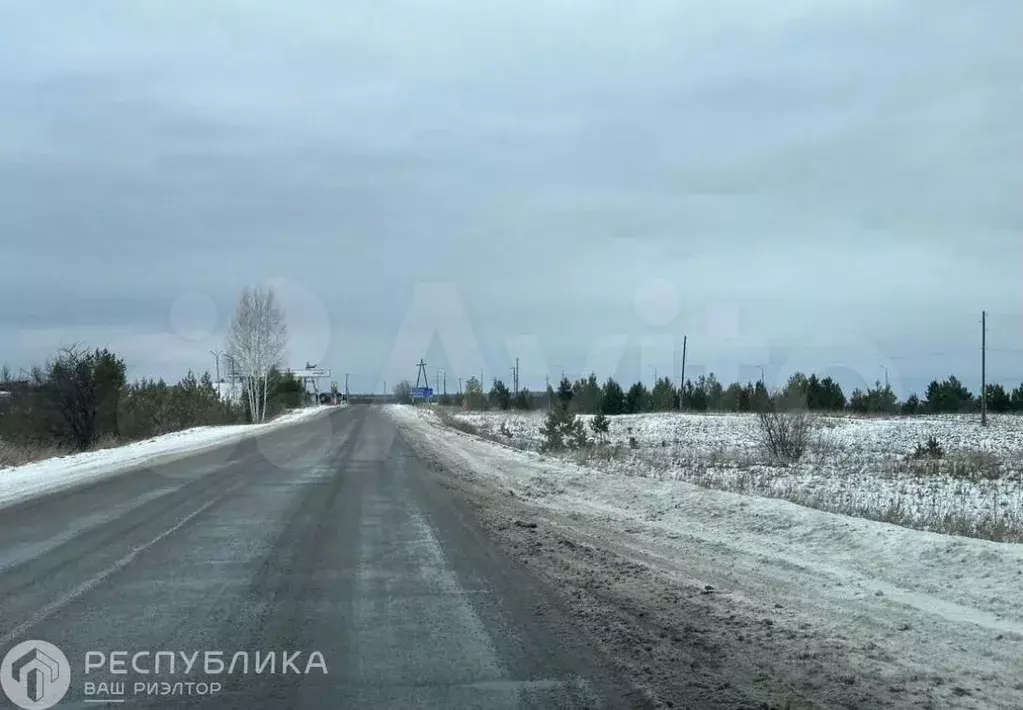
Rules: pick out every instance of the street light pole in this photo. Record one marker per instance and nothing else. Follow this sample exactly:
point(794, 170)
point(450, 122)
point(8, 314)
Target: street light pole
point(232, 375)
point(216, 354)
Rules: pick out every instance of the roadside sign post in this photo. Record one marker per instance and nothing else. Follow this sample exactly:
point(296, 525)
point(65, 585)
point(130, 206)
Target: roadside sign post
point(422, 393)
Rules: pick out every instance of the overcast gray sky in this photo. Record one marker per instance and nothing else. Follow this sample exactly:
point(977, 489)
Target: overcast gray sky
point(796, 184)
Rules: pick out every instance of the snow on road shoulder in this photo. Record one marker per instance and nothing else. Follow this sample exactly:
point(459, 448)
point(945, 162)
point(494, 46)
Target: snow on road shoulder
point(934, 618)
point(21, 483)
point(961, 570)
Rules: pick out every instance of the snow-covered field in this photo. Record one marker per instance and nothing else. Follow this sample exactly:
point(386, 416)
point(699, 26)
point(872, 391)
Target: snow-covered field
point(856, 466)
point(700, 590)
point(21, 483)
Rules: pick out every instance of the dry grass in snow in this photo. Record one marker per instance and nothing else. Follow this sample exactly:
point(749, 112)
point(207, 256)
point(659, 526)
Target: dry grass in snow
point(856, 466)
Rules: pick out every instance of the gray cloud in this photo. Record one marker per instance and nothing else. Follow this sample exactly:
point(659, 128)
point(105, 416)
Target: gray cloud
point(826, 171)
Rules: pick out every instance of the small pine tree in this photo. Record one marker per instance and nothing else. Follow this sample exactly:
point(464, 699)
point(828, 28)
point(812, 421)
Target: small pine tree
point(552, 430)
point(565, 392)
point(600, 426)
point(577, 434)
point(501, 395)
point(562, 429)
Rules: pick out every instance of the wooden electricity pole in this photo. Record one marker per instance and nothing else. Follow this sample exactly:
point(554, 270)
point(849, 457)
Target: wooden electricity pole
point(682, 388)
point(983, 368)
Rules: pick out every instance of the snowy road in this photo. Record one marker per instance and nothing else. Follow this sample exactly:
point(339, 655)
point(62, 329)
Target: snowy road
point(325, 537)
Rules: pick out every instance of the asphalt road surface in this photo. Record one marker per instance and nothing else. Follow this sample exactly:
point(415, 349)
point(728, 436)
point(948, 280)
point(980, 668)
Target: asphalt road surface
point(326, 536)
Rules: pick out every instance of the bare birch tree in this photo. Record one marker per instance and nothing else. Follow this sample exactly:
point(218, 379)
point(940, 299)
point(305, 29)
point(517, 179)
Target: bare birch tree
point(256, 343)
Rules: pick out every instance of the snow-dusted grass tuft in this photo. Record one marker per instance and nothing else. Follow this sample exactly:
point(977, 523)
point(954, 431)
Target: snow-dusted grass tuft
point(864, 467)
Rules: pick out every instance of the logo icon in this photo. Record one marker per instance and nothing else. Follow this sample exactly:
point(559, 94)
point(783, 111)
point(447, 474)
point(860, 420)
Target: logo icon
point(35, 675)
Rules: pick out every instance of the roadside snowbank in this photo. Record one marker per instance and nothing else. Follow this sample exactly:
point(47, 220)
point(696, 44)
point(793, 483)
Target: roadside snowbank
point(21, 483)
point(831, 611)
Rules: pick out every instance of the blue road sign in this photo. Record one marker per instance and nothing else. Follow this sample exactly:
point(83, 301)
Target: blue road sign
point(422, 393)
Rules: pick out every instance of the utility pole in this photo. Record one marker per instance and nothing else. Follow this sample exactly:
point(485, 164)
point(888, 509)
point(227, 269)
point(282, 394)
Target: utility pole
point(346, 386)
point(220, 387)
point(459, 386)
point(885, 377)
point(547, 381)
point(516, 375)
point(983, 368)
point(445, 384)
point(682, 389)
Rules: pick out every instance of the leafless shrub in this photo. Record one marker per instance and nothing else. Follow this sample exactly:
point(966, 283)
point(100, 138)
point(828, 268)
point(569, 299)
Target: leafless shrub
point(785, 434)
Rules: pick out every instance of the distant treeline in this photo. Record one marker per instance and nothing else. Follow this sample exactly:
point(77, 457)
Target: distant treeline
point(706, 394)
point(82, 397)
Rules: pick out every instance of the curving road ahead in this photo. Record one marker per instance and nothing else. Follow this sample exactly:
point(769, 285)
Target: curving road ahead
point(326, 536)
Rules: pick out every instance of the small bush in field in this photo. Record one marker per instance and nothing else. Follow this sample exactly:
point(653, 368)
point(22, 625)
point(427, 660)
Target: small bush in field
point(785, 435)
point(931, 450)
